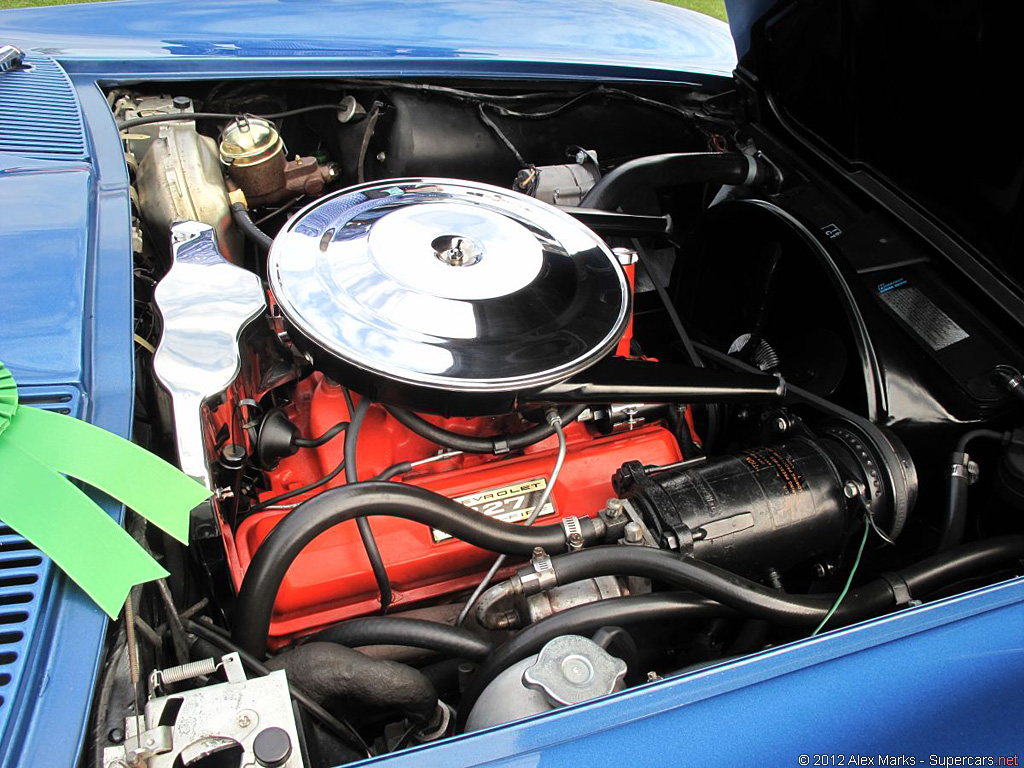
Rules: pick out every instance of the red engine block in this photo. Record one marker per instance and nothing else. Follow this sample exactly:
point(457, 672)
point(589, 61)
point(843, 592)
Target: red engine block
point(331, 579)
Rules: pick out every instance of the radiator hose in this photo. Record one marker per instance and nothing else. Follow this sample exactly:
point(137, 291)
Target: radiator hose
point(731, 595)
point(327, 671)
point(337, 505)
point(414, 633)
point(761, 602)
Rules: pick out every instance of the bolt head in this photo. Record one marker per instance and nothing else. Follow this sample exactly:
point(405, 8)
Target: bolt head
point(781, 425)
point(244, 720)
point(634, 534)
point(851, 490)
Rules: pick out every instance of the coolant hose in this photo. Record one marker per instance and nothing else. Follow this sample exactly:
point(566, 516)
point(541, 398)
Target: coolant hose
point(241, 216)
point(495, 444)
point(327, 671)
point(761, 602)
point(585, 620)
point(414, 633)
point(336, 505)
point(731, 591)
point(673, 169)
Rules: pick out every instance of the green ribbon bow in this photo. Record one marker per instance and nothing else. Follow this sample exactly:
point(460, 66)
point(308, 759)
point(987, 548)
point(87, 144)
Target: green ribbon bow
point(37, 448)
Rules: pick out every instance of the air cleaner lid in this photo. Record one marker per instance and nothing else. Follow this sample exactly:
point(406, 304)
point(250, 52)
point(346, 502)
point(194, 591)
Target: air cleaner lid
point(449, 284)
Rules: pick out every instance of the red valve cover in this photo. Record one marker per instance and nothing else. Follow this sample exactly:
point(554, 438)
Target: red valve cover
point(331, 579)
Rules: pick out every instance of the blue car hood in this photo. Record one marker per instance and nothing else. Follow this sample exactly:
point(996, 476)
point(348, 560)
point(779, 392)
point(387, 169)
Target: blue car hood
point(632, 35)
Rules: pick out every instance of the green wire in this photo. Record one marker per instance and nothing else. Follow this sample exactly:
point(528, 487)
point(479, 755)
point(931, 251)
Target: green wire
point(849, 580)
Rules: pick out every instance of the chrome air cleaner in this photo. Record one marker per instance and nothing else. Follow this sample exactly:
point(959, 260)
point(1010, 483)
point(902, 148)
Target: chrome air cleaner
point(445, 295)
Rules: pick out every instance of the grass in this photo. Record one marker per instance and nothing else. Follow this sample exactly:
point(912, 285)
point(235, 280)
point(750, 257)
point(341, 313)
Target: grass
point(714, 8)
point(29, 3)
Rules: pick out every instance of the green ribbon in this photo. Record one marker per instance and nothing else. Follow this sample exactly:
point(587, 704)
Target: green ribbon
point(37, 447)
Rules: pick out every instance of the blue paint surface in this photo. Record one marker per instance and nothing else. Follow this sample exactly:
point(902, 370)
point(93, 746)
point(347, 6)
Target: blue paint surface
point(943, 679)
point(65, 332)
point(946, 678)
point(628, 38)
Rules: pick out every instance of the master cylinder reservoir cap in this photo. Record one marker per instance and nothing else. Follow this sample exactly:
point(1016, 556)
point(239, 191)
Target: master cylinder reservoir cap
point(253, 152)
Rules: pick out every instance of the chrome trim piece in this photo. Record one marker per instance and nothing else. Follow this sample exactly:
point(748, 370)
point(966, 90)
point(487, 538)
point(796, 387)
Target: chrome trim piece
point(205, 302)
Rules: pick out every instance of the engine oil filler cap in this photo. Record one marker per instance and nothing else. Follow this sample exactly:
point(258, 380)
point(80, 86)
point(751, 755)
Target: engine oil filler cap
point(418, 289)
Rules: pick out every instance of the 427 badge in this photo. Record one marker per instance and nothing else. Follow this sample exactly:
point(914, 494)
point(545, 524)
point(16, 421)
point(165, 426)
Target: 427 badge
point(511, 503)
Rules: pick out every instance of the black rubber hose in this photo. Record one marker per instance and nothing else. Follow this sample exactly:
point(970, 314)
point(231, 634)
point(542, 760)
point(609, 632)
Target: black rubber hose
point(326, 437)
point(871, 599)
point(585, 620)
point(762, 602)
point(954, 521)
point(710, 581)
point(394, 470)
point(328, 671)
point(414, 633)
point(241, 216)
point(380, 572)
point(975, 434)
point(1012, 380)
point(670, 170)
point(495, 444)
point(336, 505)
point(298, 491)
point(340, 728)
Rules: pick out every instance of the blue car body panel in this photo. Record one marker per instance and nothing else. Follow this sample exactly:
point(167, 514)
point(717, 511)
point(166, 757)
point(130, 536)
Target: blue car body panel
point(65, 332)
point(626, 39)
point(943, 678)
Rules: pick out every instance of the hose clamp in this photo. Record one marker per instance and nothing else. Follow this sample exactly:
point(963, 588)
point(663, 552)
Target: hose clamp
point(573, 533)
point(751, 170)
point(969, 470)
point(900, 589)
point(543, 576)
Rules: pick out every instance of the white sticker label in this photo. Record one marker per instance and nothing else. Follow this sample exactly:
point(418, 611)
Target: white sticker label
point(509, 503)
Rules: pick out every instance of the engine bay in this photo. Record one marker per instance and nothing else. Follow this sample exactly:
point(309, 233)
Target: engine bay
point(515, 395)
